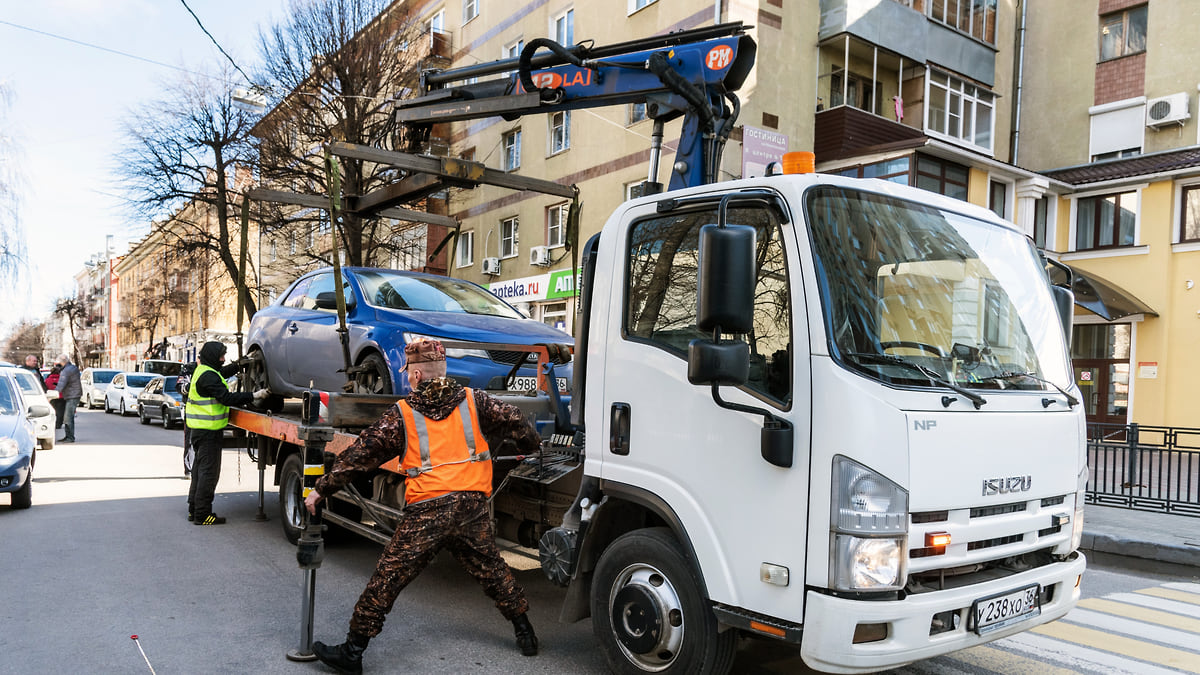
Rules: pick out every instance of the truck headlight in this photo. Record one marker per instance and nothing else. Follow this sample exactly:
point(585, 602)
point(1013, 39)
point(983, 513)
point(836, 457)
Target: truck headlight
point(9, 447)
point(1080, 497)
point(869, 522)
point(451, 352)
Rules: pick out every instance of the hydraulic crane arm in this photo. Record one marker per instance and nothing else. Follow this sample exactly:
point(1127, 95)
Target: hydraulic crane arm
point(693, 74)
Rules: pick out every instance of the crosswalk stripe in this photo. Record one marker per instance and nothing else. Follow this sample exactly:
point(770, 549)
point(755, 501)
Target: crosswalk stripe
point(1154, 603)
point(1002, 661)
point(1184, 586)
point(1137, 649)
point(1079, 659)
point(1171, 594)
point(1131, 627)
point(1141, 614)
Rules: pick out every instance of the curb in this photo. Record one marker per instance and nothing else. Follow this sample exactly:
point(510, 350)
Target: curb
point(1142, 549)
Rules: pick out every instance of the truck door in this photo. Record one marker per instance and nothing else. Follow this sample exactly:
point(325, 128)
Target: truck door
point(700, 460)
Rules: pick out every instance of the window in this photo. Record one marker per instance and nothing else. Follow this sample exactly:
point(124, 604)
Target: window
point(894, 170)
point(1117, 154)
point(660, 293)
point(274, 255)
point(942, 177)
point(1189, 223)
point(637, 112)
point(292, 243)
point(437, 23)
point(959, 110)
point(998, 198)
point(556, 224)
point(635, 5)
point(1117, 129)
point(1106, 221)
point(470, 10)
point(508, 237)
point(976, 18)
point(464, 250)
point(560, 131)
point(564, 28)
point(1041, 213)
point(512, 150)
point(513, 50)
point(555, 314)
point(1123, 33)
point(857, 90)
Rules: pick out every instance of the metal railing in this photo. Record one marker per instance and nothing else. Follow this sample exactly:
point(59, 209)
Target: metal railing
point(1145, 468)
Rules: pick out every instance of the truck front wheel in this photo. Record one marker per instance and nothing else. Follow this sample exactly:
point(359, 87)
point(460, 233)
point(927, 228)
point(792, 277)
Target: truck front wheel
point(291, 500)
point(648, 611)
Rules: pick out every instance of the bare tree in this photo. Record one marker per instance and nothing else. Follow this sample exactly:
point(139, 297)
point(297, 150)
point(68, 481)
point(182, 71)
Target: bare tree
point(339, 64)
point(75, 312)
point(26, 338)
point(13, 255)
point(187, 159)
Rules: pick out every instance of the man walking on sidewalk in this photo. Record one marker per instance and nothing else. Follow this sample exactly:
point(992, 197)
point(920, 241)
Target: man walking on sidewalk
point(207, 413)
point(439, 435)
point(70, 390)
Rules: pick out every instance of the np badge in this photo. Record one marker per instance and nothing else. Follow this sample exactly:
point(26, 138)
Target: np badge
point(1003, 486)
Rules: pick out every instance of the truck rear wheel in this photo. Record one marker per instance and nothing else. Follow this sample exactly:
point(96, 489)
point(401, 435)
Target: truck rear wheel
point(291, 497)
point(648, 611)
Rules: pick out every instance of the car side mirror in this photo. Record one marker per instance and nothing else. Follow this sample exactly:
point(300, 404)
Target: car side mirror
point(39, 410)
point(326, 300)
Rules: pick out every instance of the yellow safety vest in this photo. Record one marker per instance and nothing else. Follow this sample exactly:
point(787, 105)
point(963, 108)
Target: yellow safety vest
point(205, 413)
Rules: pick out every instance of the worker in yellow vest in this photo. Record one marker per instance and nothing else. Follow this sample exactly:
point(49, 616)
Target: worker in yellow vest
point(206, 415)
point(439, 437)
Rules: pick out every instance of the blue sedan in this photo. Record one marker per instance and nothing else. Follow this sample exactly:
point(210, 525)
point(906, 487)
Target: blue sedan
point(17, 441)
point(294, 342)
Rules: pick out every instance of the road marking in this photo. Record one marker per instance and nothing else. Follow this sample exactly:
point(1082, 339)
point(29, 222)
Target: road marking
point(1171, 594)
point(1141, 614)
point(1182, 586)
point(1004, 661)
point(1132, 628)
point(1078, 659)
point(1098, 639)
point(1154, 603)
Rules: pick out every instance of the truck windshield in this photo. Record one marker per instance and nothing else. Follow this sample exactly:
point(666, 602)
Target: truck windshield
point(963, 299)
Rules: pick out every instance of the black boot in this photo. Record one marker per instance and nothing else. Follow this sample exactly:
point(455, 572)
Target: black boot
point(526, 639)
point(346, 657)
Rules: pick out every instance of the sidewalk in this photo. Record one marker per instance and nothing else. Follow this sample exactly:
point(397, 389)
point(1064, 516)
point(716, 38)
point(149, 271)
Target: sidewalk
point(1141, 534)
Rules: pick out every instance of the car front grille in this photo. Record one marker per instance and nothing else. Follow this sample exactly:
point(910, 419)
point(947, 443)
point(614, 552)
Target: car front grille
point(510, 358)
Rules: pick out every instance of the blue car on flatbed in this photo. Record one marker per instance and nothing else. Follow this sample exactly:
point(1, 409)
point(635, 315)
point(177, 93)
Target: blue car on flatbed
point(294, 343)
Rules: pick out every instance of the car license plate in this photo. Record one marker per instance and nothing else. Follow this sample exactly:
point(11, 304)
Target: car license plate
point(1000, 611)
point(524, 383)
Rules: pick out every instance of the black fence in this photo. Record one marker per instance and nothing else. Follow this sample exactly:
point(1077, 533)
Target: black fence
point(1145, 468)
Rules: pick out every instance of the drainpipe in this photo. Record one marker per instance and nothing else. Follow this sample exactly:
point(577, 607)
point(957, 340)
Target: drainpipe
point(716, 12)
point(1016, 135)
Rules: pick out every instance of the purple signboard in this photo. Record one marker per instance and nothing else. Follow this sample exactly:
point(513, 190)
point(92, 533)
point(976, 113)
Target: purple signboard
point(760, 147)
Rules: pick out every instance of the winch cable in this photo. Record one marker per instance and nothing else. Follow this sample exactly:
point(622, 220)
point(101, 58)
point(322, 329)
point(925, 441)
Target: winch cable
point(143, 651)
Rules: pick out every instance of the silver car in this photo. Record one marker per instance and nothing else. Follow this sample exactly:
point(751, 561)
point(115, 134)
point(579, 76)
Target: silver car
point(122, 393)
point(94, 381)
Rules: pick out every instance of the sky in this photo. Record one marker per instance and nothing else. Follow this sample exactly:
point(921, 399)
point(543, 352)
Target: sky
point(69, 104)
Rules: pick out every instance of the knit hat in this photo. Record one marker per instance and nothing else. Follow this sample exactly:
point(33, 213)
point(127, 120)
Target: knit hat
point(423, 351)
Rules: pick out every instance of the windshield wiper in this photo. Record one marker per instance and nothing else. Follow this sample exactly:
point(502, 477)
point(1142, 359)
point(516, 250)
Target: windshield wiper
point(930, 375)
point(1071, 400)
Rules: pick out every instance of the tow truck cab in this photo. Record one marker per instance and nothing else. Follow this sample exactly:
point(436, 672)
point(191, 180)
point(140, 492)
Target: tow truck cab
point(880, 457)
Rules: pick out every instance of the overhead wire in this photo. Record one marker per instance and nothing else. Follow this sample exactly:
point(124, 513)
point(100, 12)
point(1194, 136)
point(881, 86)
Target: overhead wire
point(217, 44)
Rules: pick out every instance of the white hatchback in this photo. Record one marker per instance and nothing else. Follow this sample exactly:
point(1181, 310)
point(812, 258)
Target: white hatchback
point(121, 394)
point(43, 426)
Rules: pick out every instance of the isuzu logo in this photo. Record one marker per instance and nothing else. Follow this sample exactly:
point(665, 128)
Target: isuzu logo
point(1003, 486)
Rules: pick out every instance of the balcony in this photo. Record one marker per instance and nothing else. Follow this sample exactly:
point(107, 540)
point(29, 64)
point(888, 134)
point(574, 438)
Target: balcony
point(846, 131)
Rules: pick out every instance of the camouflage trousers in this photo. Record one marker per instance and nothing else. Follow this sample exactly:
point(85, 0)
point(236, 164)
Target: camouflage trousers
point(459, 522)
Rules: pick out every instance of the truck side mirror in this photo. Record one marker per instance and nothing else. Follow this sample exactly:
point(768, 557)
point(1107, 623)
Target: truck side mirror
point(725, 363)
point(725, 282)
point(1064, 302)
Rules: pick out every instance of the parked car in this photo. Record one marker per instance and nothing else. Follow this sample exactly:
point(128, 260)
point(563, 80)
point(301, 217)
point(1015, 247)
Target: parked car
point(94, 381)
point(160, 401)
point(121, 394)
point(18, 444)
point(43, 425)
point(160, 367)
point(294, 340)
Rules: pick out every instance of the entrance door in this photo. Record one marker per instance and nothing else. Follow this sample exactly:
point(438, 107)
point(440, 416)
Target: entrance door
point(1100, 355)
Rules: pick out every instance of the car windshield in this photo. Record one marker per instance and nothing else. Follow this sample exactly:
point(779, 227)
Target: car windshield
point(961, 298)
point(170, 383)
point(138, 380)
point(392, 290)
point(103, 376)
point(28, 384)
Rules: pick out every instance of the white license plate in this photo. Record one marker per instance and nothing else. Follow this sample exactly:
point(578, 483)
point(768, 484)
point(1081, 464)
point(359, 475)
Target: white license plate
point(1000, 611)
point(524, 383)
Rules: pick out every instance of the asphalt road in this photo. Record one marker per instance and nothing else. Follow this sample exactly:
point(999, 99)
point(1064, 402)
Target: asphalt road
point(106, 552)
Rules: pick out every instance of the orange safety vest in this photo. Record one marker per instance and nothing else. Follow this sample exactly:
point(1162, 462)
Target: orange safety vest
point(443, 456)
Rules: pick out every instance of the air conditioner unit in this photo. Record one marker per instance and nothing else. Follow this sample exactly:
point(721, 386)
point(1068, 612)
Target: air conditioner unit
point(539, 255)
point(491, 266)
point(1171, 109)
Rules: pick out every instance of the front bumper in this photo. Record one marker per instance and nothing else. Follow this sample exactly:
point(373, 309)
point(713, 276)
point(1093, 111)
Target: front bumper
point(13, 473)
point(830, 623)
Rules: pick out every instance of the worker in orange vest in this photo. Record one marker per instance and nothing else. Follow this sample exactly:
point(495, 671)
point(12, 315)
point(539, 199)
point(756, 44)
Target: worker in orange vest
point(438, 437)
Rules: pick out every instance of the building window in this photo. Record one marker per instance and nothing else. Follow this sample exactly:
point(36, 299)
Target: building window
point(1041, 213)
point(1123, 33)
point(291, 243)
point(637, 112)
point(470, 10)
point(554, 314)
point(1117, 154)
point(512, 150)
point(1189, 224)
point(464, 255)
point(857, 91)
point(508, 237)
point(942, 177)
point(960, 110)
point(894, 170)
point(998, 198)
point(274, 251)
point(560, 131)
point(564, 28)
point(437, 23)
point(976, 18)
point(635, 5)
point(556, 224)
point(1105, 221)
point(513, 50)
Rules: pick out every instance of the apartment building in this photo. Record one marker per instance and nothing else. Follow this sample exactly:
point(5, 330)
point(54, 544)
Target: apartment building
point(1110, 118)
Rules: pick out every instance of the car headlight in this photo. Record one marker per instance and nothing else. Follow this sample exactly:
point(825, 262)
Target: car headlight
point(869, 523)
point(9, 448)
point(453, 353)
